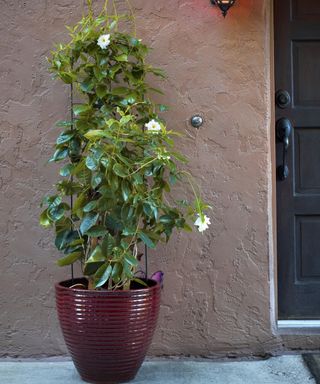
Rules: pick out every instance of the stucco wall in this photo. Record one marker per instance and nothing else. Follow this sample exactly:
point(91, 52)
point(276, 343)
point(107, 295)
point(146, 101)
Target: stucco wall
point(216, 299)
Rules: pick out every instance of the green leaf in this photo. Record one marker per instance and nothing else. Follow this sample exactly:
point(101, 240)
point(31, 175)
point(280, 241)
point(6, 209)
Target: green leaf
point(125, 188)
point(54, 201)
point(81, 108)
point(143, 283)
point(82, 173)
point(64, 137)
point(82, 125)
point(131, 260)
point(57, 63)
point(163, 108)
point(77, 241)
point(113, 24)
point(123, 48)
point(116, 272)
point(166, 219)
point(103, 61)
point(96, 255)
point(120, 170)
point(44, 220)
point(69, 259)
point(56, 213)
point(97, 231)
point(105, 162)
point(102, 275)
point(96, 180)
point(137, 73)
point(134, 42)
point(138, 179)
point(114, 69)
point(127, 269)
point(88, 222)
point(113, 181)
point(66, 77)
point(147, 209)
point(180, 157)
point(146, 239)
point(129, 231)
point(154, 211)
point(64, 123)
point(148, 171)
point(158, 72)
point(172, 179)
point(98, 73)
point(97, 152)
point(66, 170)
point(101, 91)
point(91, 268)
point(68, 188)
point(95, 134)
point(75, 148)
point(70, 249)
point(121, 58)
point(87, 86)
point(66, 238)
point(61, 238)
point(156, 90)
point(187, 228)
point(92, 163)
point(59, 154)
point(90, 206)
point(125, 160)
point(166, 186)
point(107, 245)
point(120, 91)
point(79, 203)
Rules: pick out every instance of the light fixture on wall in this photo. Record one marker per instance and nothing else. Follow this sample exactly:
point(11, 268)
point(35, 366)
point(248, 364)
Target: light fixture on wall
point(224, 5)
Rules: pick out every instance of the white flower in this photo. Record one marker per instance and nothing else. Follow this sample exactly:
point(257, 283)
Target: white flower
point(153, 126)
point(202, 224)
point(104, 41)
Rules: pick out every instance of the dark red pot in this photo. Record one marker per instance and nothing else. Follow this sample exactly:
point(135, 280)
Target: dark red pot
point(107, 333)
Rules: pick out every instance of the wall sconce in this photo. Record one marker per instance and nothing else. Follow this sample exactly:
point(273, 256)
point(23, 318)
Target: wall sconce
point(224, 5)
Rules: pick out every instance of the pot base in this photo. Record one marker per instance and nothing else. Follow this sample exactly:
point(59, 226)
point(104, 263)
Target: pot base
point(130, 378)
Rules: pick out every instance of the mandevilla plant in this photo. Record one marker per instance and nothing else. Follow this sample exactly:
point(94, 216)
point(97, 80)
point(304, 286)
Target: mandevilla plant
point(119, 161)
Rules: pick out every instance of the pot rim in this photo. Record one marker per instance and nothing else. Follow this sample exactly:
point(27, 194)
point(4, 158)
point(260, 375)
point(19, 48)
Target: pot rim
point(59, 285)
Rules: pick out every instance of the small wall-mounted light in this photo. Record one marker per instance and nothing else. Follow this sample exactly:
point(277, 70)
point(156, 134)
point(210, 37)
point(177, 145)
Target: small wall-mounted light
point(224, 5)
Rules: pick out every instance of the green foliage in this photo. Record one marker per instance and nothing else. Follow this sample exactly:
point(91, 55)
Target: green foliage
point(117, 170)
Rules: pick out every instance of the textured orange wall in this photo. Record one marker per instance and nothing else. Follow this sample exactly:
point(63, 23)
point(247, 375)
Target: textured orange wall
point(216, 299)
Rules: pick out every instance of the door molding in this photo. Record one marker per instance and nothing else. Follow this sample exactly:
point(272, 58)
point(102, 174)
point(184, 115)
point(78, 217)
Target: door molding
point(272, 202)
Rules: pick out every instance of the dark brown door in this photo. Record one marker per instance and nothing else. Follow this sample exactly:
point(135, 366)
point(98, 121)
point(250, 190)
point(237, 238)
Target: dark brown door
point(297, 69)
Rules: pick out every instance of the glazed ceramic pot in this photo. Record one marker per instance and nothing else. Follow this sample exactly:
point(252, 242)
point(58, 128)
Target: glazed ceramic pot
point(107, 333)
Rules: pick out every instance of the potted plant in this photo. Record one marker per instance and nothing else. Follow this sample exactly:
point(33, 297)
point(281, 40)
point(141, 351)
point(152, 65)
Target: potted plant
point(118, 166)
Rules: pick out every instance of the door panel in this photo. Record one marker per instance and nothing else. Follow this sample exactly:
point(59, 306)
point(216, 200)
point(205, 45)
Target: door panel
point(307, 160)
point(305, 10)
point(305, 72)
point(307, 240)
point(297, 61)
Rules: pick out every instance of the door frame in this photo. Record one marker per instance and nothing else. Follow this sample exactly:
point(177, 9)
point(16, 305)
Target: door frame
point(272, 202)
point(281, 327)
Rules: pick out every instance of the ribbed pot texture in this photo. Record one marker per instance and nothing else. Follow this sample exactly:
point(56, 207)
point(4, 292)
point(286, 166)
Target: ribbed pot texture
point(107, 333)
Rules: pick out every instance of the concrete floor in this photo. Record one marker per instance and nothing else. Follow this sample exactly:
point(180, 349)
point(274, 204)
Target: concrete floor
point(279, 370)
